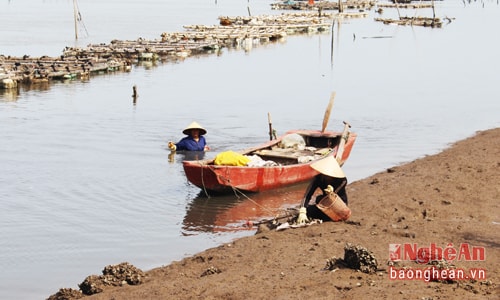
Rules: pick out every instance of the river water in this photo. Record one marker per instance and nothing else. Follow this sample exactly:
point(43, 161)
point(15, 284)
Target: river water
point(85, 175)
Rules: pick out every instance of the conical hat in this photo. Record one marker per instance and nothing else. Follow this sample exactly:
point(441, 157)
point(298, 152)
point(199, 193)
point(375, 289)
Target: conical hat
point(194, 125)
point(328, 166)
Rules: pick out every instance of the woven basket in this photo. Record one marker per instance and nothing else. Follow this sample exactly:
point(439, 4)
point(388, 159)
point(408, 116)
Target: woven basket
point(333, 206)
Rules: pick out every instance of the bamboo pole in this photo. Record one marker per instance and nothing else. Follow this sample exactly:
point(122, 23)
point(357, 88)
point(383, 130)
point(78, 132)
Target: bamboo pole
point(75, 15)
point(397, 8)
point(433, 13)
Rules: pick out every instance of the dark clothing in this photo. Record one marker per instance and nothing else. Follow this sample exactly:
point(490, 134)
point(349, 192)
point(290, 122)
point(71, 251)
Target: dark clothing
point(188, 143)
point(313, 212)
point(322, 181)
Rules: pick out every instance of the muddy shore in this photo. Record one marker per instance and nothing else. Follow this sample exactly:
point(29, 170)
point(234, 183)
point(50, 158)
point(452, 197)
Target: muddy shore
point(449, 199)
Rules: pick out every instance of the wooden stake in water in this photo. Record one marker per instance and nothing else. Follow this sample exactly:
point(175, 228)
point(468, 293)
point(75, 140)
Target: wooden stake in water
point(134, 94)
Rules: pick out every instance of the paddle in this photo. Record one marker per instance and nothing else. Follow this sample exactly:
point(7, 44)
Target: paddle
point(327, 112)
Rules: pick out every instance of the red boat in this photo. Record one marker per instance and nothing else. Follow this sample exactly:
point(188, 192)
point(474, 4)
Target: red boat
point(290, 165)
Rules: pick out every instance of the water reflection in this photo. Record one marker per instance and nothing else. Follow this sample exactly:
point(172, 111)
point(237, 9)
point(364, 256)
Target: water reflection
point(12, 94)
point(185, 155)
point(232, 212)
point(9, 95)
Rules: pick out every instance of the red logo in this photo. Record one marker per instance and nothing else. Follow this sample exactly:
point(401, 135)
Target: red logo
point(424, 255)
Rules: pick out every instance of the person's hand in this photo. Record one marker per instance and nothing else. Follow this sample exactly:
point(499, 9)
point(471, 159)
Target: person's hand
point(302, 218)
point(206, 148)
point(329, 189)
point(172, 146)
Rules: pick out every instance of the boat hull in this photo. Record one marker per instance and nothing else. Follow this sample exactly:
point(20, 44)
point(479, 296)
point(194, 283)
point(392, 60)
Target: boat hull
point(251, 179)
point(222, 179)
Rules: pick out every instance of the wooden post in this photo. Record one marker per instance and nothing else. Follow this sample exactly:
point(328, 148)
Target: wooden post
point(270, 126)
point(134, 93)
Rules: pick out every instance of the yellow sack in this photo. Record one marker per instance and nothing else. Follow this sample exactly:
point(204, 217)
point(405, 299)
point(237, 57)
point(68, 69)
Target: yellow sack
point(231, 158)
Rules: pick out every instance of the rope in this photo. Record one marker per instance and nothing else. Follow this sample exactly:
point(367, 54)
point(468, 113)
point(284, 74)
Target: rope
point(237, 192)
point(203, 182)
point(79, 19)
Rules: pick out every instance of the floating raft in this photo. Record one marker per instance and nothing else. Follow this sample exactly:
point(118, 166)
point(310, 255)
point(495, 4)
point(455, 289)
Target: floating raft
point(267, 25)
point(118, 55)
point(14, 70)
point(198, 39)
point(201, 39)
point(323, 5)
point(407, 5)
point(231, 32)
point(413, 21)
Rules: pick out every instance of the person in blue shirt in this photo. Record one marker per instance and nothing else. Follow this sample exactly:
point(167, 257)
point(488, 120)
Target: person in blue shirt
point(193, 141)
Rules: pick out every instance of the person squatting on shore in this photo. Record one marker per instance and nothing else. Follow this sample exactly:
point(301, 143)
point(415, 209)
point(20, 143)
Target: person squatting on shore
point(193, 141)
point(330, 173)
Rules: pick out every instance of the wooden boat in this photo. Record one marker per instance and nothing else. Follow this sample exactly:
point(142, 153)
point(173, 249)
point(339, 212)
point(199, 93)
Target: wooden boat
point(292, 164)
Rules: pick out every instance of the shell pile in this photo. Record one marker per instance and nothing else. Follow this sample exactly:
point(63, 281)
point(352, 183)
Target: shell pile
point(355, 257)
point(65, 294)
point(358, 257)
point(210, 271)
point(113, 275)
point(334, 263)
